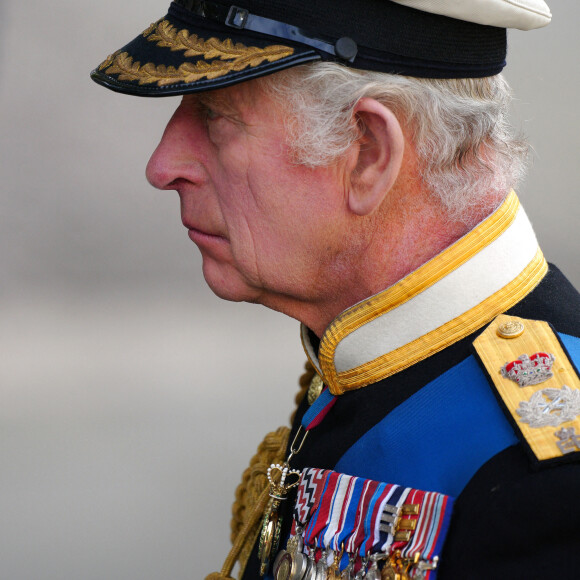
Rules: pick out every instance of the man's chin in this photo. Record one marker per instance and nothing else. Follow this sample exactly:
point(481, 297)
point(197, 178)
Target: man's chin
point(228, 287)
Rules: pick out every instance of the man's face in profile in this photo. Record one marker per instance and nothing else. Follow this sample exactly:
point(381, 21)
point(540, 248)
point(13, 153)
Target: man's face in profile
point(267, 228)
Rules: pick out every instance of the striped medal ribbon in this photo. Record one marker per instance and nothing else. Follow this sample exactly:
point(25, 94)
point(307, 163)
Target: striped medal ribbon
point(358, 522)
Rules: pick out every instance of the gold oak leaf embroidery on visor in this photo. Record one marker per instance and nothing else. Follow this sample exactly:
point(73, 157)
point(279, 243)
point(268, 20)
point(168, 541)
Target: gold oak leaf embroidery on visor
point(226, 56)
point(151, 28)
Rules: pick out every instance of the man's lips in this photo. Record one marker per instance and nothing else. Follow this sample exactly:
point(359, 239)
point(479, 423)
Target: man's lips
point(201, 235)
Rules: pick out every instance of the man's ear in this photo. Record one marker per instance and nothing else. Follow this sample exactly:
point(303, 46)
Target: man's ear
point(379, 154)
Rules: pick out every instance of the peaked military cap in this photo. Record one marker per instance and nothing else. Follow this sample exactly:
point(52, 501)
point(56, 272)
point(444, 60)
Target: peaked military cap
point(203, 45)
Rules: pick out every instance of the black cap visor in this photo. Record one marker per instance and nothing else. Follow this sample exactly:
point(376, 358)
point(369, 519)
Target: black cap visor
point(168, 58)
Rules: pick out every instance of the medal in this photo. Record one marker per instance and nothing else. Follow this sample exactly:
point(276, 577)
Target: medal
point(269, 536)
point(282, 479)
point(311, 570)
point(388, 572)
point(272, 522)
point(333, 572)
point(373, 573)
point(291, 564)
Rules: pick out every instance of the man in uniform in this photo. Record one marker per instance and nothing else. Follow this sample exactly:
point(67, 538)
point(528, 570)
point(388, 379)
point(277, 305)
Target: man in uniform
point(350, 164)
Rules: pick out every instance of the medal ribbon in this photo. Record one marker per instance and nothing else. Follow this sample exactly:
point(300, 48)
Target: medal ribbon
point(432, 526)
point(322, 509)
point(358, 534)
point(362, 516)
point(371, 533)
point(386, 522)
point(312, 478)
point(343, 515)
point(318, 410)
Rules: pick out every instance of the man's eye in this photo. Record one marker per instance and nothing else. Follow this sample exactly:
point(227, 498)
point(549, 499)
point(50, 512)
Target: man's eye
point(210, 114)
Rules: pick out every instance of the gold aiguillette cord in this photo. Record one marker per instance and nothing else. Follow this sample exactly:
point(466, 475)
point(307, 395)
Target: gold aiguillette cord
point(255, 516)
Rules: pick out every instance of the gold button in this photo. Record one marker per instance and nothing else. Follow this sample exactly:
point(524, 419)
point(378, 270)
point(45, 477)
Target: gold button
point(315, 388)
point(510, 329)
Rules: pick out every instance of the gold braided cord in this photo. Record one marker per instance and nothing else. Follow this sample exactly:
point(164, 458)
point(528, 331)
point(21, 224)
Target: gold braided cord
point(271, 450)
point(251, 489)
point(221, 57)
point(254, 478)
point(241, 541)
point(252, 492)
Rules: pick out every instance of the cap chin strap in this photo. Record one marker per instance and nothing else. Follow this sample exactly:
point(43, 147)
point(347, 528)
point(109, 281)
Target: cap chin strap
point(344, 48)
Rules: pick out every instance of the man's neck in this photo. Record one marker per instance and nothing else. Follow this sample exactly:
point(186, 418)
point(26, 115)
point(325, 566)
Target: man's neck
point(402, 243)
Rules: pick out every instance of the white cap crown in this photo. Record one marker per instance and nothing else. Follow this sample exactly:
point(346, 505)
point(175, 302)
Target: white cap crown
point(521, 14)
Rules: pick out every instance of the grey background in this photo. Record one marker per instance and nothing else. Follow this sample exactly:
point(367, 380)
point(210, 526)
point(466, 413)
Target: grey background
point(130, 397)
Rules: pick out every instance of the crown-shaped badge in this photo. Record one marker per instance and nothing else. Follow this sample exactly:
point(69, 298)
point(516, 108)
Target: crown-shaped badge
point(282, 479)
point(529, 370)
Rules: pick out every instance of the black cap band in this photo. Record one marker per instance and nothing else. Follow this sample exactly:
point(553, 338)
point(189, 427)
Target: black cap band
point(389, 37)
point(240, 18)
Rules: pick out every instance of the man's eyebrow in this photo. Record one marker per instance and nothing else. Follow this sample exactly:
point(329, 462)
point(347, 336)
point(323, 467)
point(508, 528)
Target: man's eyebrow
point(222, 105)
point(206, 99)
point(216, 101)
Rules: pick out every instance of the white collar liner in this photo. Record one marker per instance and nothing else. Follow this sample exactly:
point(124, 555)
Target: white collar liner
point(460, 290)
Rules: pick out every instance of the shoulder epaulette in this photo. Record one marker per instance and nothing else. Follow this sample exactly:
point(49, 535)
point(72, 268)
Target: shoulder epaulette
point(537, 384)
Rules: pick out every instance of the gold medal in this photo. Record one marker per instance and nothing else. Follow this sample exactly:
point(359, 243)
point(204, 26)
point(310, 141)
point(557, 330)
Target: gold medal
point(281, 479)
point(269, 536)
point(333, 572)
point(280, 571)
point(295, 543)
point(291, 563)
point(290, 566)
point(388, 573)
point(316, 387)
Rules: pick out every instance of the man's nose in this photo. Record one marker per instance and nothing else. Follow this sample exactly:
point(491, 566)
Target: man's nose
point(177, 157)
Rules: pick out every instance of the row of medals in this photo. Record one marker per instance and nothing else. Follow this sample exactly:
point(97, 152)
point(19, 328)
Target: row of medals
point(292, 564)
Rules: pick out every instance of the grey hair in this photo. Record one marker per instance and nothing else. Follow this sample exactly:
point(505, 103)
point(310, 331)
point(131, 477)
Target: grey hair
point(467, 151)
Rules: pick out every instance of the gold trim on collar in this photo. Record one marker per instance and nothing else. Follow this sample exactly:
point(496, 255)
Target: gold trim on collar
point(454, 330)
point(415, 283)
